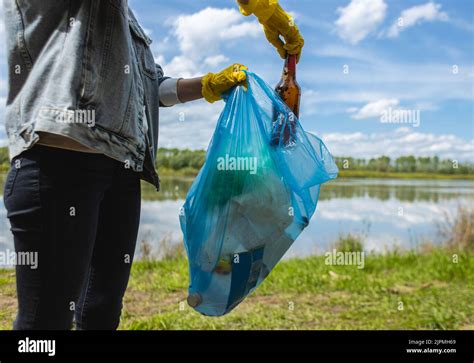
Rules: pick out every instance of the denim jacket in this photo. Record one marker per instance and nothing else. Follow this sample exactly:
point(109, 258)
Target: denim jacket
point(82, 69)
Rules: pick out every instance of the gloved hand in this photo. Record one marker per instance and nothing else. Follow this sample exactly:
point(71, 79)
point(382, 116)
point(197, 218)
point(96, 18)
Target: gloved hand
point(213, 85)
point(276, 22)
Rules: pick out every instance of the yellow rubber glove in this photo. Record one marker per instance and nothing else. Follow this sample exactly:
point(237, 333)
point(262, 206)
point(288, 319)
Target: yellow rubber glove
point(276, 22)
point(213, 85)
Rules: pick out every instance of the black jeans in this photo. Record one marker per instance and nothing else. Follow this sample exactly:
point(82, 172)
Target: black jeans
point(80, 213)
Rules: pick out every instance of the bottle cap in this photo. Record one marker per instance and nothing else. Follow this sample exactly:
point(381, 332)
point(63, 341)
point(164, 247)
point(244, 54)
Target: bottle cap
point(194, 299)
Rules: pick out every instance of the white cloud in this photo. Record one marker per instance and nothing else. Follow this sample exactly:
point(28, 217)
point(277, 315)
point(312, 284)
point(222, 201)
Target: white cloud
point(200, 121)
point(360, 209)
point(402, 141)
point(373, 109)
point(216, 60)
point(246, 29)
point(415, 15)
point(348, 137)
point(189, 125)
point(360, 18)
point(346, 52)
point(148, 31)
point(180, 66)
point(203, 40)
point(198, 33)
point(201, 36)
point(160, 59)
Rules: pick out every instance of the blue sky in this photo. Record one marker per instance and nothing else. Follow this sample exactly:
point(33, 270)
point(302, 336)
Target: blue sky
point(405, 55)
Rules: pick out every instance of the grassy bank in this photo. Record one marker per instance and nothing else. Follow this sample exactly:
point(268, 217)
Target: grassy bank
point(395, 291)
point(192, 172)
point(308, 294)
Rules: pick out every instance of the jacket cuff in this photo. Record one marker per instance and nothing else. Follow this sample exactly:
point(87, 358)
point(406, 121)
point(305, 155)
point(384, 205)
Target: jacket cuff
point(169, 92)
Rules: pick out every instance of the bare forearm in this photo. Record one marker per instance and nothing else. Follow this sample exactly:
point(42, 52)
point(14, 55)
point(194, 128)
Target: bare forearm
point(189, 89)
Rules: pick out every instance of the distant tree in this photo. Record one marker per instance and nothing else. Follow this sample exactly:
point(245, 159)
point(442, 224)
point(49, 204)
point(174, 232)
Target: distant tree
point(406, 164)
point(383, 163)
point(4, 158)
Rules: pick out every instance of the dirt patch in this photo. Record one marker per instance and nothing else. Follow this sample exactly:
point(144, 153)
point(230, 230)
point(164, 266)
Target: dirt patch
point(408, 289)
point(324, 302)
point(149, 303)
point(7, 302)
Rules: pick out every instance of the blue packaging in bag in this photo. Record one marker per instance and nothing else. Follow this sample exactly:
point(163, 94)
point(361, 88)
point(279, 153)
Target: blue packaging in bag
point(251, 199)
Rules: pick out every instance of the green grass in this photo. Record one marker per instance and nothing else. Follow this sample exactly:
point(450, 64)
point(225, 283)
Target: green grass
point(306, 294)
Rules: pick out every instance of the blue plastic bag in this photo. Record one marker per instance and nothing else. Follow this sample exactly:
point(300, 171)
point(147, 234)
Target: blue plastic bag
point(251, 199)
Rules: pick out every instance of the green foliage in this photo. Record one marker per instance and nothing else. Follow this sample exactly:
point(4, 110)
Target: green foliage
point(4, 155)
point(349, 243)
point(405, 164)
point(192, 160)
point(458, 231)
point(187, 162)
point(176, 159)
point(4, 159)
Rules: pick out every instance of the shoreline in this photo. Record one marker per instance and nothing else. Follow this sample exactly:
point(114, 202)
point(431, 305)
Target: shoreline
point(188, 173)
point(352, 174)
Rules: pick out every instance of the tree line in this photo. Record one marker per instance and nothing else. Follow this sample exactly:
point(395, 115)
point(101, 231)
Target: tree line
point(177, 159)
point(192, 160)
point(406, 164)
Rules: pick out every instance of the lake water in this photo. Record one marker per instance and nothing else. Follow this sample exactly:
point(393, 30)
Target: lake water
point(388, 213)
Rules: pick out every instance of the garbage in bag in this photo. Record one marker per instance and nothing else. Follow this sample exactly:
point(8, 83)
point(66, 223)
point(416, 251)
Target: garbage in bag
point(251, 199)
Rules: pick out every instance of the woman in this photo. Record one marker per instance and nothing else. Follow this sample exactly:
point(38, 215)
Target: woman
point(82, 121)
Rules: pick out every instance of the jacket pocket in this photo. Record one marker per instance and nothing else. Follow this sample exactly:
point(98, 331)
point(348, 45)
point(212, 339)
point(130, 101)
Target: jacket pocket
point(16, 13)
point(141, 43)
point(108, 66)
point(11, 177)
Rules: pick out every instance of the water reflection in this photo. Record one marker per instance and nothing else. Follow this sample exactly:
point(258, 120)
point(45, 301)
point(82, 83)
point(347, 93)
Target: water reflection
point(171, 189)
point(380, 189)
point(389, 212)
